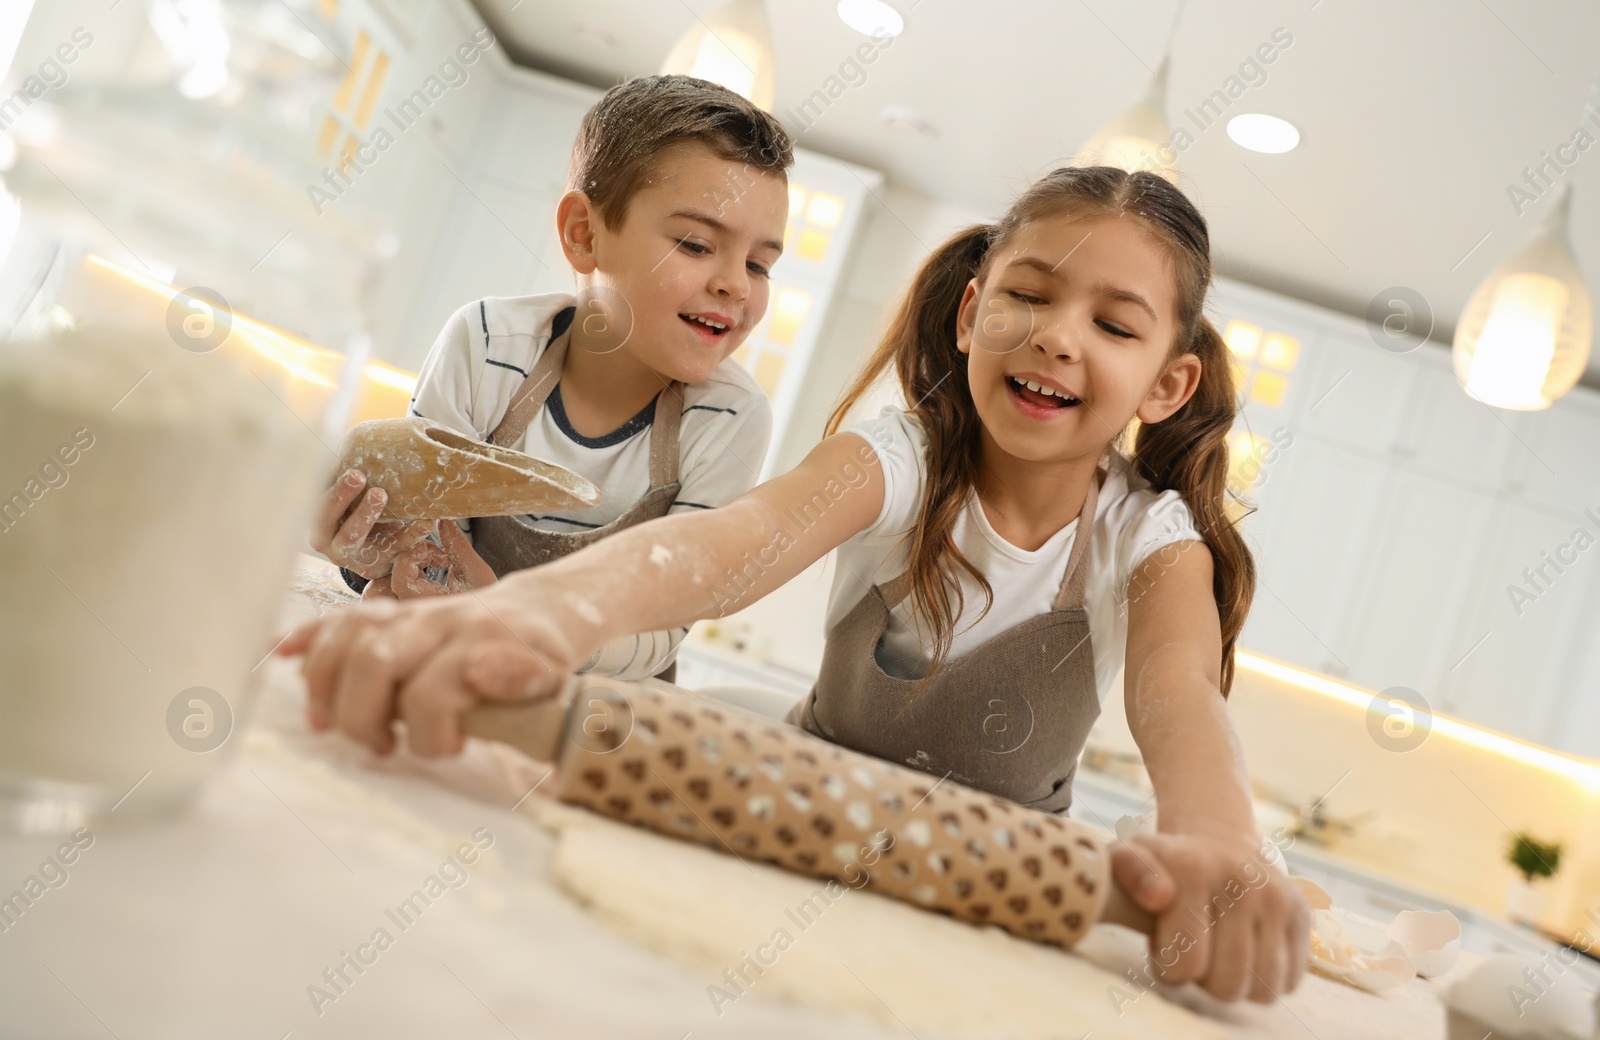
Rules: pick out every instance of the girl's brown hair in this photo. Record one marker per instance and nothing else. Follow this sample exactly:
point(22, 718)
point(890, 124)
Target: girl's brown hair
point(1186, 452)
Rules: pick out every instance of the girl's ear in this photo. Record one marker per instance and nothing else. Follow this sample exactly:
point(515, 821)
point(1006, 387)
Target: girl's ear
point(967, 316)
point(576, 222)
point(1172, 390)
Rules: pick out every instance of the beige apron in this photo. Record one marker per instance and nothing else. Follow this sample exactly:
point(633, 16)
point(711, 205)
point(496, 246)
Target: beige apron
point(1009, 717)
point(510, 543)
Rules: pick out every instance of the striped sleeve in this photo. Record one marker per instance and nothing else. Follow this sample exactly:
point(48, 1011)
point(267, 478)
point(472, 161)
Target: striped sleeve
point(722, 448)
point(638, 656)
point(446, 386)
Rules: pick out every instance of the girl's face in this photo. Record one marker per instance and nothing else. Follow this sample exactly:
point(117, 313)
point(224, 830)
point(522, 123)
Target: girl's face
point(1069, 336)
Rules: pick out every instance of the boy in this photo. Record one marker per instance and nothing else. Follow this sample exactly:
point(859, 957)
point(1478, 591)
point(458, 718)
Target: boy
point(674, 214)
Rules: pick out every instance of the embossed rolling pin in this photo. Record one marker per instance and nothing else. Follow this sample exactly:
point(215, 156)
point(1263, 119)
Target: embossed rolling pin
point(693, 768)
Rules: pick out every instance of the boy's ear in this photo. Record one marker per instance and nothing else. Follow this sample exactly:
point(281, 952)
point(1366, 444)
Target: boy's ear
point(1172, 390)
point(967, 317)
point(576, 221)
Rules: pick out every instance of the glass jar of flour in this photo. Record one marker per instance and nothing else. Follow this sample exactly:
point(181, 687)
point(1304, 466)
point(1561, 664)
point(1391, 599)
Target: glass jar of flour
point(184, 336)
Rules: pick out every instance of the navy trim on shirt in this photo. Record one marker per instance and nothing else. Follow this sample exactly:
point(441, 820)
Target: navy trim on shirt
point(709, 408)
point(561, 321)
point(563, 520)
point(558, 412)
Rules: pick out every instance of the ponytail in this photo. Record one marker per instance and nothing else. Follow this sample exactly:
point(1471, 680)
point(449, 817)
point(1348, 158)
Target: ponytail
point(1187, 452)
point(921, 346)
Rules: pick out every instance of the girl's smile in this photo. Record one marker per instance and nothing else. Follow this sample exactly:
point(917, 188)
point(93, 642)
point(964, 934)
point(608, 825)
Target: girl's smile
point(1040, 397)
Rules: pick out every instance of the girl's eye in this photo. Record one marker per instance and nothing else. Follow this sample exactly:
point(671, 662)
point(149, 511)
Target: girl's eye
point(1121, 333)
point(1024, 297)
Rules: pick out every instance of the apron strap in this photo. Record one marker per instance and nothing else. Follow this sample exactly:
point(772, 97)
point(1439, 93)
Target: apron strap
point(541, 382)
point(1072, 582)
point(664, 436)
point(532, 394)
point(1071, 594)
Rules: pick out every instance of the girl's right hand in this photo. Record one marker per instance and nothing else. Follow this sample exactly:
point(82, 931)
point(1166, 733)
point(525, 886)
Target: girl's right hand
point(347, 531)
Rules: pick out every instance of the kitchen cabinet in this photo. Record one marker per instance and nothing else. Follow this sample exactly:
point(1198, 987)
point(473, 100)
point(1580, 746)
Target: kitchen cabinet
point(1451, 434)
point(1576, 715)
point(1514, 648)
point(1390, 529)
point(1553, 460)
point(1357, 394)
point(1311, 552)
point(1422, 546)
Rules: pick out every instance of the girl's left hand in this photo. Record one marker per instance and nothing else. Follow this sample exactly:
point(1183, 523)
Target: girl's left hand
point(1227, 915)
point(465, 569)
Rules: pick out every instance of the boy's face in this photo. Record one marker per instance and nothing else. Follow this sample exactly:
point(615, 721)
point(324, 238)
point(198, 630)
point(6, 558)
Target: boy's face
point(693, 253)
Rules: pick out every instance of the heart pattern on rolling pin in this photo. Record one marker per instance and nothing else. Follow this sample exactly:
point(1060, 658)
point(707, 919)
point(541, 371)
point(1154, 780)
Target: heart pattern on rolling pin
point(768, 792)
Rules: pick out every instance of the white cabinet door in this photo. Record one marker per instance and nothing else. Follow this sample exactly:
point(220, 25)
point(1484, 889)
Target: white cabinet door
point(1555, 460)
point(538, 121)
point(1576, 725)
point(1309, 554)
point(1453, 435)
point(1517, 630)
point(1410, 581)
point(500, 245)
point(1358, 394)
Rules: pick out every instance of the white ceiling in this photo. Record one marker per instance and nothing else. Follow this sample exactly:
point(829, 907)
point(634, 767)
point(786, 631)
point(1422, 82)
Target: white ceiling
point(1414, 118)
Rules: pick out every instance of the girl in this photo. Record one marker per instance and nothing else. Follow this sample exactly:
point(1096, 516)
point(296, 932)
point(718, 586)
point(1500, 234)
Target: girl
point(988, 538)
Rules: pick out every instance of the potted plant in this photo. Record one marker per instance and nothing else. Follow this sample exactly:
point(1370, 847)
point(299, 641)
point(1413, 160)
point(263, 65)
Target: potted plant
point(1534, 861)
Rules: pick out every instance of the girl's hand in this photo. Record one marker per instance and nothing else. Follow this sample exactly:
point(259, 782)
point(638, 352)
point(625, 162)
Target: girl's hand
point(465, 568)
point(425, 662)
point(1226, 915)
point(378, 588)
point(346, 529)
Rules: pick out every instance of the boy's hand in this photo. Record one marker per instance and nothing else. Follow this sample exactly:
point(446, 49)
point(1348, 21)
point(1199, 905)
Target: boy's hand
point(1226, 916)
point(425, 662)
point(465, 568)
point(347, 531)
point(378, 588)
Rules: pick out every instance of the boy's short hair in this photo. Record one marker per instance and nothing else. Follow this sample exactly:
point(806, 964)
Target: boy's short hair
point(628, 129)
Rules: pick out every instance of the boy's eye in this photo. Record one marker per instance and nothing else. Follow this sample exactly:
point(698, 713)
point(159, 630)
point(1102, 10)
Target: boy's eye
point(694, 247)
point(759, 271)
point(1115, 330)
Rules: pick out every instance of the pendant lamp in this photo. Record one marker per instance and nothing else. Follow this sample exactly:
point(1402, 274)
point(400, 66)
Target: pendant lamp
point(731, 46)
point(1139, 138)
point(1523, 338)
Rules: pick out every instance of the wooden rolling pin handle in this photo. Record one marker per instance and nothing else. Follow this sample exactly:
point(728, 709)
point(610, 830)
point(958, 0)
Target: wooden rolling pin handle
point(1120, 909)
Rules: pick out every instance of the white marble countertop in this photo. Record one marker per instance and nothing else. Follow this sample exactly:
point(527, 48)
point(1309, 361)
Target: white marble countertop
point(219, 921)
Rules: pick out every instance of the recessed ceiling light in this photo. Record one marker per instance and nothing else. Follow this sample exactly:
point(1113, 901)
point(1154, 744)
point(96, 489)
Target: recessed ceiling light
point(905, 121)
point(1262, 133)
point(872, 17)
point(596, 35)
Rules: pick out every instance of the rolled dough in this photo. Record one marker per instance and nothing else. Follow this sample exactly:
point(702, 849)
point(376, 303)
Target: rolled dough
point(856, 954)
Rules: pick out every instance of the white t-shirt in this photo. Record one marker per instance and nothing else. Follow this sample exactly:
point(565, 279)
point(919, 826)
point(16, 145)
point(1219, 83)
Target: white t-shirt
point(485, 352)
point(1131, 521)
